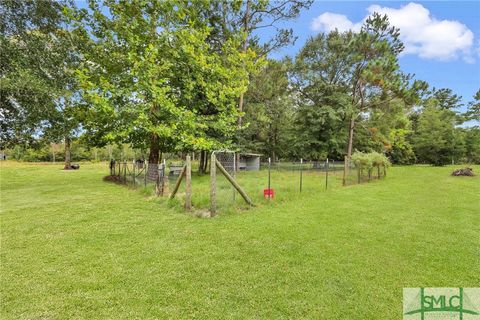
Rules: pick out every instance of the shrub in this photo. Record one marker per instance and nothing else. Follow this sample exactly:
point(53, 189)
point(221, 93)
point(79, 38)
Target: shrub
point(370, 160)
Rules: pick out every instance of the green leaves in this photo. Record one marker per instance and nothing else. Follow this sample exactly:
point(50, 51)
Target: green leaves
point(39, 57)
point(473, 112)
point(153, 71)
point(434, 141)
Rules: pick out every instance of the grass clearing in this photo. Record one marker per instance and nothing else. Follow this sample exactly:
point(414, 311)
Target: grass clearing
point(74, 246)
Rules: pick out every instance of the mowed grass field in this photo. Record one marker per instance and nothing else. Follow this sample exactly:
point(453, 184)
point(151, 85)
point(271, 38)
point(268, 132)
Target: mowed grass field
point(74, 246)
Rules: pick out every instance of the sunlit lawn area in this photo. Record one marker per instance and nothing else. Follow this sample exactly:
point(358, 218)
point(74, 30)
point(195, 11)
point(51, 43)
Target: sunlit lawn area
point(74, 246)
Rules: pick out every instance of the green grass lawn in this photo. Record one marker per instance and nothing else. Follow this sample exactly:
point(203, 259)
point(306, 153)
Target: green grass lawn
point(74, 246)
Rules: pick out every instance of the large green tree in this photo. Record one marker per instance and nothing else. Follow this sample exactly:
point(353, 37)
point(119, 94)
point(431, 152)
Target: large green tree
point(472, 144)
point(268, 111)
point(153, 78)
point(253, 15)
point(342, 79)
point(320, 78)
point(375, 74)
point(433, 140)
point(38, 87)
point(473, 112)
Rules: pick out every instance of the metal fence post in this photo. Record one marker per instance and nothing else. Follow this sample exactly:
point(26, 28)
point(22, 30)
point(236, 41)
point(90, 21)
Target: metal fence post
point(165, 185)
point(269, 167)
point(301, 174)
point(326, 174)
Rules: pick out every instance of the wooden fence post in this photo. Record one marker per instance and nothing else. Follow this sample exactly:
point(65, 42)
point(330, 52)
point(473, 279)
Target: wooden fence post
point(179, 181)
point(234, 183)
point(188, 188)
point(145, 168)
point(134, 176)
point(165, 182)
point(213, 186)
point(301, 174)
point(345, 171)
point(157, 185)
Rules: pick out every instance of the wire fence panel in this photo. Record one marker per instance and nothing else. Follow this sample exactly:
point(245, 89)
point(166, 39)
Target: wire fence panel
point(282, 180)
point(317, 165)
point(225, 194)
point(299, 175)
point(357, 175)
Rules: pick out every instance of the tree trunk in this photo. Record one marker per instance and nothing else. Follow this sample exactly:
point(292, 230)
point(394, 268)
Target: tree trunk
point(67, 154)
point(153, 157)
point(240, 102)
point(350, 143)
point(205, 166)
point(350, 138)
point(201, 163)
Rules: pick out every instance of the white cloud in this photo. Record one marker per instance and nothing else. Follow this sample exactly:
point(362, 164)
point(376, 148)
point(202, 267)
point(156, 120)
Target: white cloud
point(330, 21)
point(421, 33)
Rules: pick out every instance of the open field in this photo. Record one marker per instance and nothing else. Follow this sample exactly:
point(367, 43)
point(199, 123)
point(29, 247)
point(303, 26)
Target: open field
point(74, 246)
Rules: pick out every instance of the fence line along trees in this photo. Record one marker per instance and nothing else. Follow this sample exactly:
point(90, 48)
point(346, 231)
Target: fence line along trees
point(152, 76)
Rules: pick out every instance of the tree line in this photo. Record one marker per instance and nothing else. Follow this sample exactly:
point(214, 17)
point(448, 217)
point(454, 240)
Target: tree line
point(194, 76)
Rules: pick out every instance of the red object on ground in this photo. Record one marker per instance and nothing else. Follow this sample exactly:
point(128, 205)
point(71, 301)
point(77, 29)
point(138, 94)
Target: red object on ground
point(268, 193)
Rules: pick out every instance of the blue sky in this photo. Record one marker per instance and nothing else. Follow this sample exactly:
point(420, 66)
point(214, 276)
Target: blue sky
point(443, 37)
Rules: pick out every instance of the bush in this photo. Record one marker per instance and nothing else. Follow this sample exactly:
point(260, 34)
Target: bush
point(370, 160)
